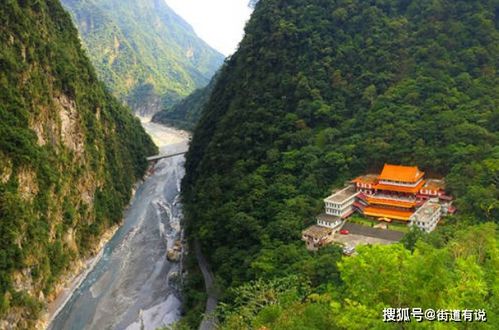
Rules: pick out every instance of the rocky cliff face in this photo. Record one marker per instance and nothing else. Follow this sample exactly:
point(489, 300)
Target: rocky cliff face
point(147, 55)
point(69, 156)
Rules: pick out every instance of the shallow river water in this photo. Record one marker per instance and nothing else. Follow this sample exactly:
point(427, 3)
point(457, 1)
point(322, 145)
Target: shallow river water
point(133, 286)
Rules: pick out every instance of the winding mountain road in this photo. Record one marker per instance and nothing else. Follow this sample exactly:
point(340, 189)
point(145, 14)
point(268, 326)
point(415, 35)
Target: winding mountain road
point(209, 322)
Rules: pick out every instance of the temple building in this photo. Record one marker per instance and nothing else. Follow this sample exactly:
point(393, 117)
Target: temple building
point(392, 194)
point(398, 193)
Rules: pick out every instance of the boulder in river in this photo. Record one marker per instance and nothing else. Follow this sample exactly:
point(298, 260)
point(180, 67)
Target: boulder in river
point(173, 254)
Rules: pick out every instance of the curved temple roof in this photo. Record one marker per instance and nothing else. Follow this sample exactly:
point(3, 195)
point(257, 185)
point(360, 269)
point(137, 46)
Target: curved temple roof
point(401, 173)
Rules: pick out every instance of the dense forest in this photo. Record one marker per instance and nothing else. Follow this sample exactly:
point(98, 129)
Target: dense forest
point(69, 156)
point(321, 91)
point(145, 53)
point(185, 114)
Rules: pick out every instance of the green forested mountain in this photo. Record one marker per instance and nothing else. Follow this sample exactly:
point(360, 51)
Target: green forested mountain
point(143, 51)
point(318, 92)
point(186, 113)
point(69, 156)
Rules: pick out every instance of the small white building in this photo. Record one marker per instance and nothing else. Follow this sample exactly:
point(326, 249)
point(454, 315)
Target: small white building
point(329, 221)
point(340, 202)
point(427, 216)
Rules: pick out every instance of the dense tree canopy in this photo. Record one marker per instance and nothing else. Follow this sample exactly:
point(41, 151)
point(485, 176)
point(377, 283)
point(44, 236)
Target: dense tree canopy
point(462, 275)
point(69, 155)
point(320, 91)
point(185, 114)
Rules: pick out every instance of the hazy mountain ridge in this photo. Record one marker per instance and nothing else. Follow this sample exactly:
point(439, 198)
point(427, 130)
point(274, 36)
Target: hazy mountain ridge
point(146, 54)
point(252, 3)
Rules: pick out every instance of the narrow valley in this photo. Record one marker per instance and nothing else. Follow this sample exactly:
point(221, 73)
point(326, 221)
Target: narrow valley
point(249, 164)
point(134, 286)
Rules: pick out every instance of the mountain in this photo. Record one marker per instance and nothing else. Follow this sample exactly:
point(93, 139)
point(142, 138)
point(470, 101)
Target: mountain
point(186, 113)
point(252, 3)
point(70, 154)
point(317, 93)
point(145, 53)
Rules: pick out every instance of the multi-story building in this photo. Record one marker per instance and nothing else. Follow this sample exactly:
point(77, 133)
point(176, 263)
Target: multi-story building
point(392, 195)
point(434, 188)
point(398, 193)
point(337, 207)
point(340, 202)
point(427, 216)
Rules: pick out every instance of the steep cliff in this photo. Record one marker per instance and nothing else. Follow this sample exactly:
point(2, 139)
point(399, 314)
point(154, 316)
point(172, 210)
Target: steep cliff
point(148, 55)
point(69, 156)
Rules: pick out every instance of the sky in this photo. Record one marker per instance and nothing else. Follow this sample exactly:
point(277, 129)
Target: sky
point(218, 22)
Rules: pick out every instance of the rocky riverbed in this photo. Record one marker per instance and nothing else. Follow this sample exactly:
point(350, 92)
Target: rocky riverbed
point(133, 285)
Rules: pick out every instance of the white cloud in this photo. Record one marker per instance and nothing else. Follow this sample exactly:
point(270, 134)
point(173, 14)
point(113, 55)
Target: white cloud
point(218, 22)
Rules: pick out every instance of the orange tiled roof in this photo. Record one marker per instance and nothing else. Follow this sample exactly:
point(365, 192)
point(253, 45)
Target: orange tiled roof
point(433, 184)
point(387, 213)
point(366, 179)
point(400, 173)
point(410, 190)
point(391, 202)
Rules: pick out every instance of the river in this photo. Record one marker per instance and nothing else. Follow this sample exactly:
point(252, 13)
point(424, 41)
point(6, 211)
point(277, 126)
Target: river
point(133, 285)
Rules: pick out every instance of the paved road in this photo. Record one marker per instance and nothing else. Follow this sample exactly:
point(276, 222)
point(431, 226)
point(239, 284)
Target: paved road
point(385, 234)
point(208, 322)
